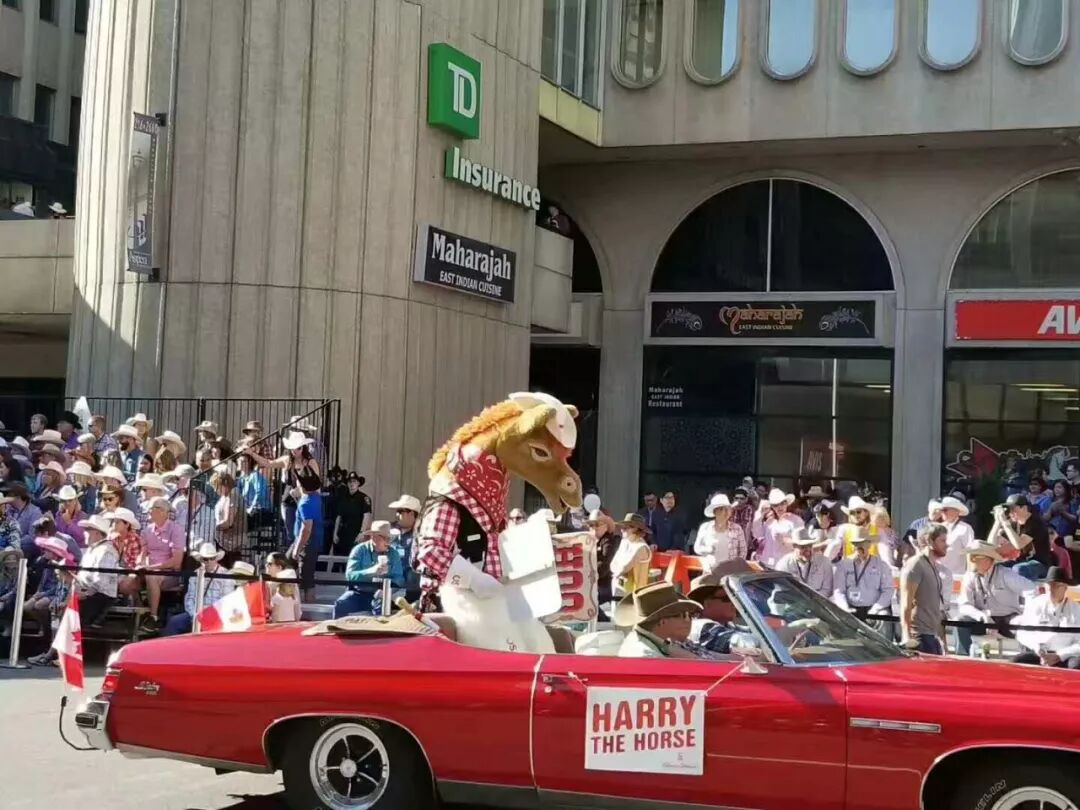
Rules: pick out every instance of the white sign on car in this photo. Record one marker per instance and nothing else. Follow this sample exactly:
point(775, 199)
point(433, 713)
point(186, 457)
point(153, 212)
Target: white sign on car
point(645, 731)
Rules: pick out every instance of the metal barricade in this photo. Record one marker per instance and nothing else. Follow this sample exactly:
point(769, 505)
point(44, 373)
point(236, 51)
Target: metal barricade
point(16, 626)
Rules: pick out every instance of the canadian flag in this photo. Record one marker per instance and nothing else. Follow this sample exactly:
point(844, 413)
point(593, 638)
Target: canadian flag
point(236, 611)
point(68, 643)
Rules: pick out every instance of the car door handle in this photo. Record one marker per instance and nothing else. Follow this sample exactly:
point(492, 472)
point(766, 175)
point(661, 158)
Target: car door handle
point(564, 682)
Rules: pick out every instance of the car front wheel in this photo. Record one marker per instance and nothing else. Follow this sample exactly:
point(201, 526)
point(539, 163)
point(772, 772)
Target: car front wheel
point(1019, 787)
point(345, 764)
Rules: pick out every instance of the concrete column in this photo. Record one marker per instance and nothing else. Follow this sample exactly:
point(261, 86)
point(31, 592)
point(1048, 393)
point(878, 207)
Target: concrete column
point(28, 77)
point(618, 452)
point(917, 406)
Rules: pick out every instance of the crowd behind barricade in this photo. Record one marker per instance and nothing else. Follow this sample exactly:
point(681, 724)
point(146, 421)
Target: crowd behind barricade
point(147, 509)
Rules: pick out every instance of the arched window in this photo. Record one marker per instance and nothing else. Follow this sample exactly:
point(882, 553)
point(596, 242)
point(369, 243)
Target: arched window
point(1037, 30)
point(773, 235)
point(712, 40)
point(951, 32)
point(869, 35)
point(1028, 239)
point(790, 37)
point(639, 57)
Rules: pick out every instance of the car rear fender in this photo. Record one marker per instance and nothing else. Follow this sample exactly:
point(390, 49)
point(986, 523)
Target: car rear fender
point(944, 771)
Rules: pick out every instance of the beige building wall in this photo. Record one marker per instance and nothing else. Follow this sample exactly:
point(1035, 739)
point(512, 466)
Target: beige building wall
point(301, 163)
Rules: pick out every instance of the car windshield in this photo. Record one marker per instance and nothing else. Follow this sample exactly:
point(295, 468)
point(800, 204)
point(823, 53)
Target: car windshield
point(808, 629)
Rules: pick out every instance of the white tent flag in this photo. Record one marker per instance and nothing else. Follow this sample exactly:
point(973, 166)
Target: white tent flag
point(82, 410)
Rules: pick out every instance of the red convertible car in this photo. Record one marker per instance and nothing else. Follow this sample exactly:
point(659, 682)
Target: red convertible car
point(817, 712)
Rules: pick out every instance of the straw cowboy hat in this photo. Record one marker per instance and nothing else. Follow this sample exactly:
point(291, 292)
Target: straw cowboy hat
point(985, 550)
point(949, 502)
point(96, 522)
point(381, 528)
point(87, 438)
point(125, 432)
point(815, 493)
point(80, 468)
point(172, 440)
point(295, 440)
point(141, 419)
point(854, 504)
point(651, 604)
point(207, 551)
point(254, 426)
point(53, 466)
point(150, 481)
point(806, 537)
point(48, 437)
point(126, 515)
point(704, 587)
point(778, 496)
point(244, 569)
point(67, 493)
point(718, 501)
point(206, 426)
point(634, 521)
point(409, 502)
point(181, 471)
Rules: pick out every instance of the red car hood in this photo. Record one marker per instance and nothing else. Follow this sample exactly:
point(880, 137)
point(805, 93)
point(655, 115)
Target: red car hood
point(964, 676)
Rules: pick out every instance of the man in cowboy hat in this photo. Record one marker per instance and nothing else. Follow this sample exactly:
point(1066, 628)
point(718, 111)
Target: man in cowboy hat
point(406, 513)
point(659, 622)
point(1050, 610)
point(774, 526)
point(370, 562)
point(354, 514)
point(97, 589)
point(103, 442)
point(130, 452)
point(1023, 527)
point(989, 594)
point(807, 563)
point(713, 630)
point(213, 589)
point(961, 536)
point(862, 582)
point(171, 441)
point(69, 427)
point(630, 564)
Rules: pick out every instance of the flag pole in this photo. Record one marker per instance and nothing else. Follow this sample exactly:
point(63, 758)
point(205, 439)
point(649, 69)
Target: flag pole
point(200, 592)
point(16, 625)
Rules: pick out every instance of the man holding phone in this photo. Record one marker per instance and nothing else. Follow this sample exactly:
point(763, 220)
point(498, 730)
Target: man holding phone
point(371, 561)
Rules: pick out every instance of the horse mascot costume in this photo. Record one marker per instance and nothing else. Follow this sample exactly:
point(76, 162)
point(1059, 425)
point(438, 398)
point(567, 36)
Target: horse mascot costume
point(461, 543)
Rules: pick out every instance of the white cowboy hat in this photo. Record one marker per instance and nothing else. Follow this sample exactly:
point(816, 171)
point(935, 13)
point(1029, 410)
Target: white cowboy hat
point(57, 208)
point(718, 501)
point(380, 527)
point(150, 481)
point(985, 550)
point(933, 505)
point(67, 493)
point(294, 439)
point(169, 437)
point(777, 497)
point(126, 515)
point(97, 522)
point(181, 471)
point(140, 419)
point(854, 504)
point(80, 468)
point(805, 537)
point(87, 438)
point(562, 425)
point(207, 551)
point(48, 437)
point(125, 432)
point(407, 502)
point(206, 426)
point(949, 502)
point(53, 466)
point(243, 568)
point(111, 473)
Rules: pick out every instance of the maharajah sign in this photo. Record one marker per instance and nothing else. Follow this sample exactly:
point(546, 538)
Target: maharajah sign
point(835, 320)
point(458, 263)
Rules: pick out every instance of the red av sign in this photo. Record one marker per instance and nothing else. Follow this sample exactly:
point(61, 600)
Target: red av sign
point(1027, 320)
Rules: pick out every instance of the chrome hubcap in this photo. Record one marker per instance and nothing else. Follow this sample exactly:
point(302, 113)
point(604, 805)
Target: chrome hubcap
point(349, 767)
point(1034, 798)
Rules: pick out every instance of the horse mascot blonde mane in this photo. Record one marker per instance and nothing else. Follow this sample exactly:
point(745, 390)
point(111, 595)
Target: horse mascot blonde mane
point(460, 545)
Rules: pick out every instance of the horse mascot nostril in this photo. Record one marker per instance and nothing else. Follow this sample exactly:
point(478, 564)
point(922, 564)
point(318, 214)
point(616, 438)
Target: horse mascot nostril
point(460, 547)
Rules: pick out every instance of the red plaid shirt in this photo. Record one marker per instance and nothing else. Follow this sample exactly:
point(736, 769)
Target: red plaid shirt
point(437, 541)
point(128, 549)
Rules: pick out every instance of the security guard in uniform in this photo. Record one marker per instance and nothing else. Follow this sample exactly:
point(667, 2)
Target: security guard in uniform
point(863, 583)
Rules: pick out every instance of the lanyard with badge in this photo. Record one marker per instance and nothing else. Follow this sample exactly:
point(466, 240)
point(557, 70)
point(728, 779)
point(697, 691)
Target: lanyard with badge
point(805, 577)
point(855, 594)
point(985, 588)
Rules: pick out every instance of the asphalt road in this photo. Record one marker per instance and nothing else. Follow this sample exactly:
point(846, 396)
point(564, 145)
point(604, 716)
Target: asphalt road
point(38, 770)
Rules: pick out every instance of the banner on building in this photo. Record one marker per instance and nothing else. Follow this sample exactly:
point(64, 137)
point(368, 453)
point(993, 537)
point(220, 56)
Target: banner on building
point(575, 561)
point(750, 320)
point(456, 262)
point(142, 181)
point(1018, 319)
point(645, 731)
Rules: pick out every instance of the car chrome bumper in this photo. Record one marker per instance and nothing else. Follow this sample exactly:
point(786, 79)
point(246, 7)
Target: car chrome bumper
point(90, 718)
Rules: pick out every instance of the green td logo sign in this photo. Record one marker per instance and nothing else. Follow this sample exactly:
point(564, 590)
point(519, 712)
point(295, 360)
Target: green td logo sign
point(453, 91)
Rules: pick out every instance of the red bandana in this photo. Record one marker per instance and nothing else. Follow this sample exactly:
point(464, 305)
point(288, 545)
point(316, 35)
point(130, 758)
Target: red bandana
point(481, 475)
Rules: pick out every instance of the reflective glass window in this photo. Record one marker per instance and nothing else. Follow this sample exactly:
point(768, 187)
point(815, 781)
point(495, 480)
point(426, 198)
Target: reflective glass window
point(790, 37)
point(1028, 239)
point(869, 34)
point(950, 32)
point(641, 42)
point(571, 46)
point(1036, 30)
point(714, 39)
point(592, 52)
point(549, 41)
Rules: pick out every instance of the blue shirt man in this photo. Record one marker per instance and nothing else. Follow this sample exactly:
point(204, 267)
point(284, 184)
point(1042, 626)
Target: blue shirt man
point(370, 562)
point(407, 509)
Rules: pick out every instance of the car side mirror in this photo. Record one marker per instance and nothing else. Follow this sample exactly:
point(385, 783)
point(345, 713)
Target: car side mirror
point(746, 646)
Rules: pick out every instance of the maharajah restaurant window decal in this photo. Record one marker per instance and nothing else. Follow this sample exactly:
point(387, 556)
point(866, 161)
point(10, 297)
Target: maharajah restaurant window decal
point(838, 320)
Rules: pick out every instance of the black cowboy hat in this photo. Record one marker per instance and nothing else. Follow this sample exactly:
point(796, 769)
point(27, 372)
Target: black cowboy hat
point(71, 418)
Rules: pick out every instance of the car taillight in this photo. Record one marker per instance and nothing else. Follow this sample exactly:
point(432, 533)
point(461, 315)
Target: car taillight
point(112, 679)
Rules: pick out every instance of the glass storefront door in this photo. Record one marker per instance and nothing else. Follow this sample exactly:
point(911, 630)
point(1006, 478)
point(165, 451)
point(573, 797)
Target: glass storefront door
point(713, 414)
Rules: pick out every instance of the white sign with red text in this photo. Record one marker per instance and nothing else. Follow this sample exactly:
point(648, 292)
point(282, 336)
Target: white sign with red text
point(645, 731)
point(575, 560)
